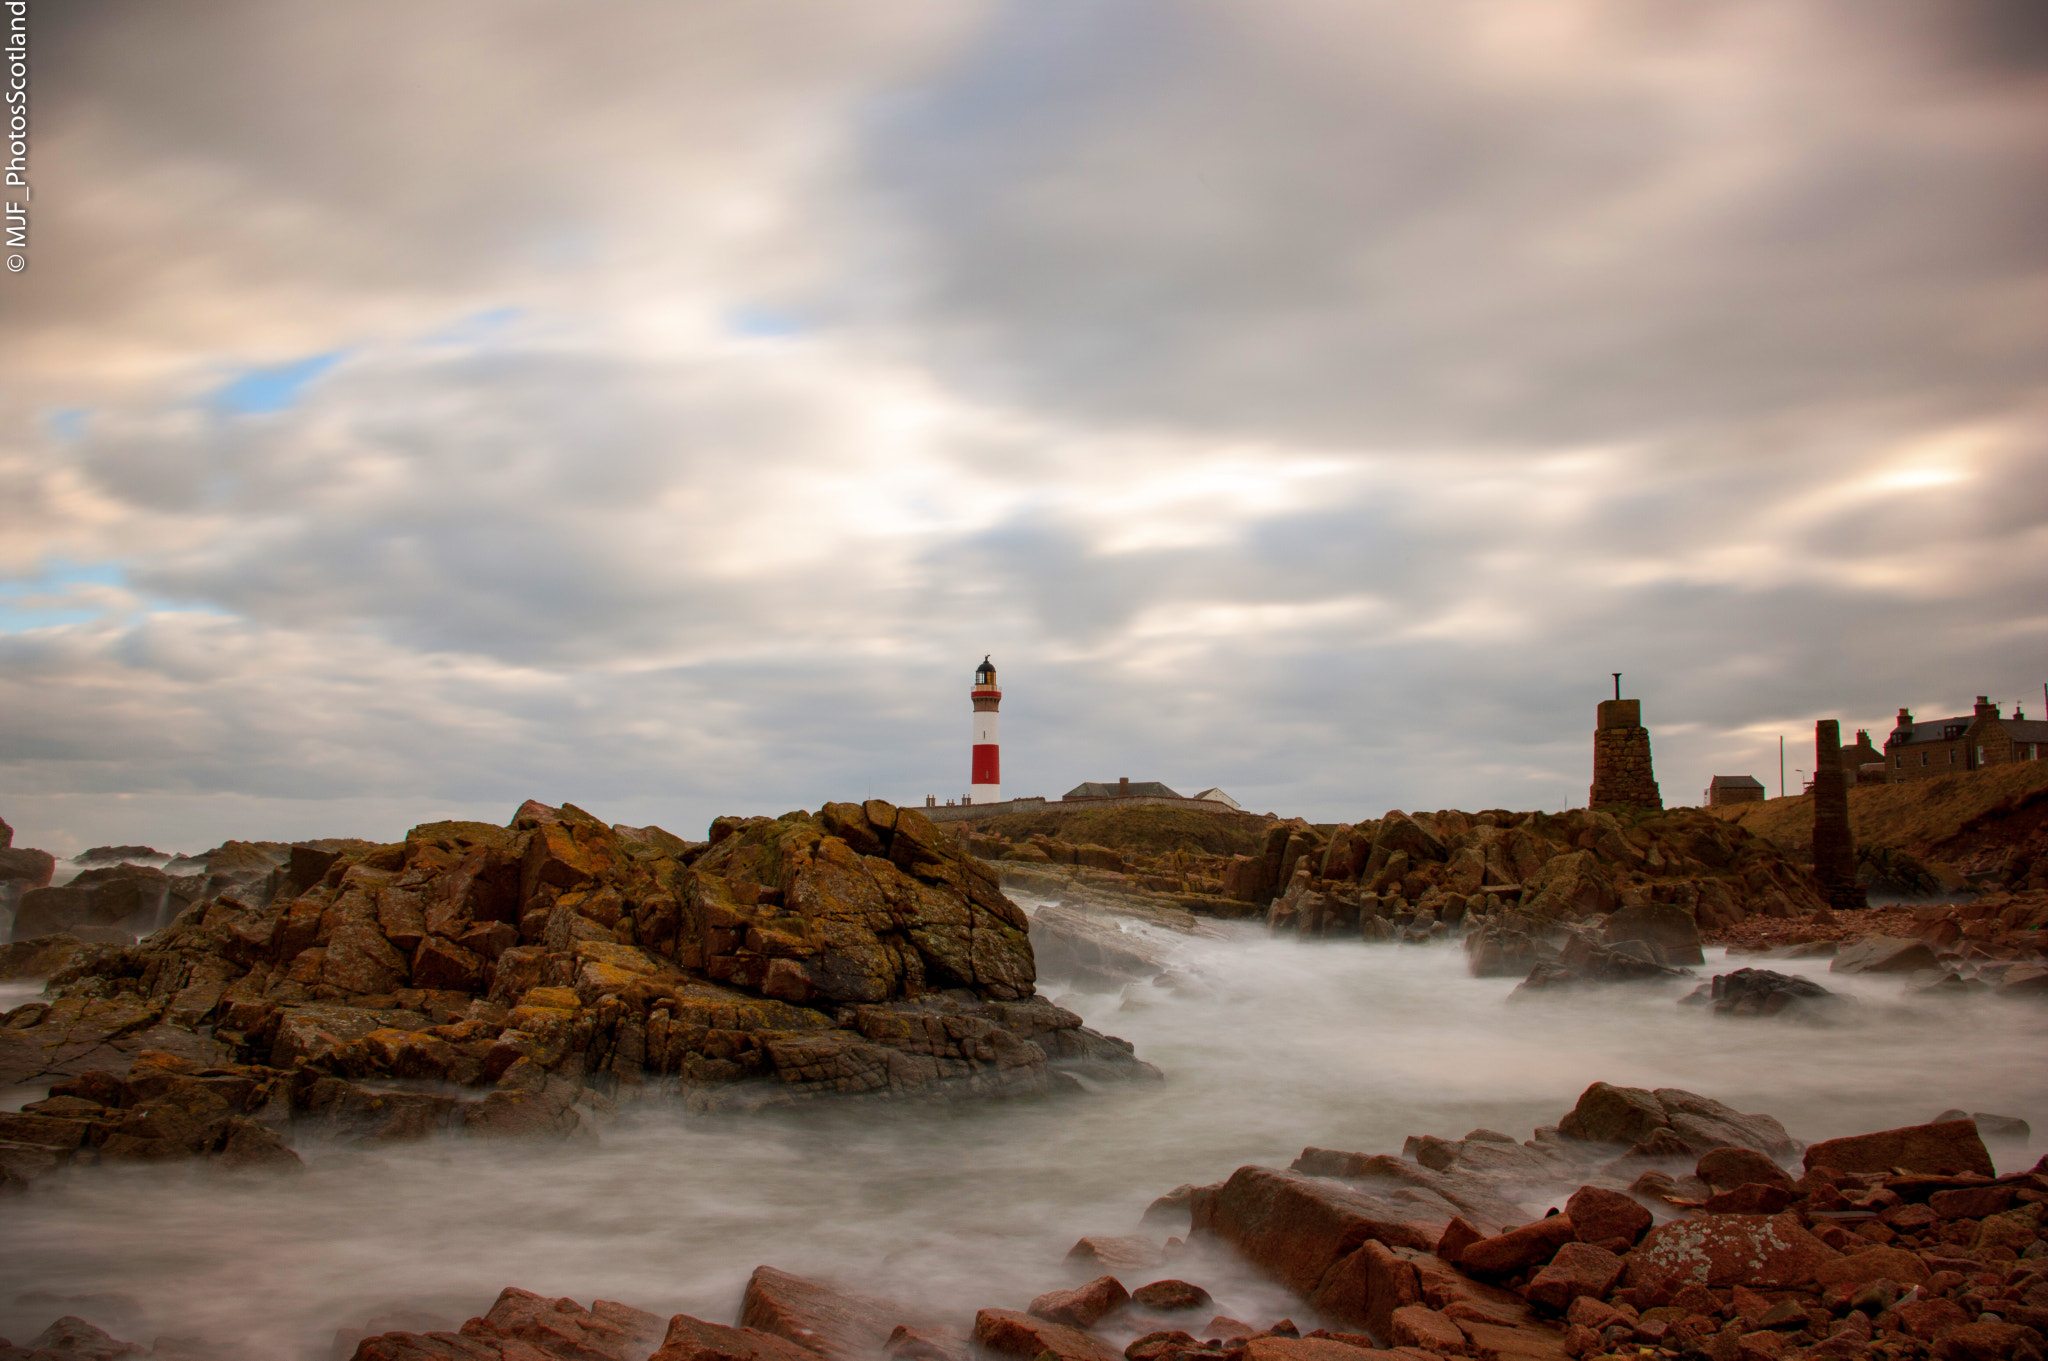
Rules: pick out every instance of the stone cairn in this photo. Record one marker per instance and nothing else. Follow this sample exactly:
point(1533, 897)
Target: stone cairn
point(1621, 758)
point(1834, 847)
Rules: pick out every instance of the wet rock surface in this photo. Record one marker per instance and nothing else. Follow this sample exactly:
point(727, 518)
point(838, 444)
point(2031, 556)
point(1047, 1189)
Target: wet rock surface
point(520, 980)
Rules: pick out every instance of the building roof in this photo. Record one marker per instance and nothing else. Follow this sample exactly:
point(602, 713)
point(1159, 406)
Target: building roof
point(1214, 795)
point(1938, 730)
point(1735, 782)
point(1095, 789)
point(1929, 730)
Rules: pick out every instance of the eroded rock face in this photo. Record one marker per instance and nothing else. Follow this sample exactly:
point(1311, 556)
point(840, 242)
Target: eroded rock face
point(1763, 1252)
point(1945, 1148)
point(865, 903)
point(558, 961)
point(1630, 1115)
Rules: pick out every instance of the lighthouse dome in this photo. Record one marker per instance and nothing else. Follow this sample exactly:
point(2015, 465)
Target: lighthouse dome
point(985, 674)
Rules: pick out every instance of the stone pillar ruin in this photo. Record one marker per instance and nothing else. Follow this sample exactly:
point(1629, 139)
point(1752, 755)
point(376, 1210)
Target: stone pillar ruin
point(1834, 847)
point(1621, 757)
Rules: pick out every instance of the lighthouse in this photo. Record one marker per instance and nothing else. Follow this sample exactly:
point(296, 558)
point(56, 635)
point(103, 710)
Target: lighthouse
point(987, 783)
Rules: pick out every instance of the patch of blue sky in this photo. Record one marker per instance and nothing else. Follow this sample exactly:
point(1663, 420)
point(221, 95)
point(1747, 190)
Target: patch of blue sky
point(763, 323)
point(61, 593)
point(478, 328)
point(48, 599)
point(277, 387)
point(67, 424)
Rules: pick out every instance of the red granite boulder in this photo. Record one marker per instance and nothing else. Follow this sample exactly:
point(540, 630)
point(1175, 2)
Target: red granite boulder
point(1763, 1252)
point(1943, 1149)
point(1084, 1306)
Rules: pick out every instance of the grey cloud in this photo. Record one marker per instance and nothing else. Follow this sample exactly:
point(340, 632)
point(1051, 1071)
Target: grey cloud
point(1369, 233)
point(1591, 337)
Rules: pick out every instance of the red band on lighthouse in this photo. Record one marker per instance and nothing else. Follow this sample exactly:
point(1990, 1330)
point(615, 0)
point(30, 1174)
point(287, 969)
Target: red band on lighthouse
point(988, 766)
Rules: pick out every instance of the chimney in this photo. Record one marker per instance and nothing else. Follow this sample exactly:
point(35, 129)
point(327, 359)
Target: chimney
point(1985, 708)
point(1123, 785)
point(1905, 718)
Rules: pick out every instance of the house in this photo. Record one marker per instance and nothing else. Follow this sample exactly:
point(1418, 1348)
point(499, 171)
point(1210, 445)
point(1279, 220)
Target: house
point(1862, 762)
point(1734, 789)
point(1125, 788)
point(1918, 749)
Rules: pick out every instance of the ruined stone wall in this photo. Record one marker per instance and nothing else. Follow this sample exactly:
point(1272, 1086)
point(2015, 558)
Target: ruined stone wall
point(1621, 758)
point(1834, 849)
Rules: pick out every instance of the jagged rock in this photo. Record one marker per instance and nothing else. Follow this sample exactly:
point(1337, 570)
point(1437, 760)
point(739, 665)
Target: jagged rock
point(1171, 1296)
point(2004, 1127)
point(856, 952)
point(1950, 1147)
point(523, 1326)
point(692, 1339)
point(38, 956)
point(1582, 960)
point(1516, 1251)
point(1726, 1168)
point(1084, 1306)
point(26, 868)
point(1883, 954)
point(1630, 1115)
point(833, 1323)
point(1295, 1227)
point(73, 1339)
point(1670, 931)
point(1008, 1333)
point(1577, 1269)
point(124, 900)
point(871, 903)
point(1762, 1252)
point(45, 1041)
point(1506, 948)
point(1569, 886)
point(1401, 834)
point(1762, 992)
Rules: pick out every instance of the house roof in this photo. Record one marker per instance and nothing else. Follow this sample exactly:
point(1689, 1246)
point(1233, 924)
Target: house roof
point(1215, 795)
point(1095, 789)
point(1929, 730)
point(1936, 730)
point(1735, 782)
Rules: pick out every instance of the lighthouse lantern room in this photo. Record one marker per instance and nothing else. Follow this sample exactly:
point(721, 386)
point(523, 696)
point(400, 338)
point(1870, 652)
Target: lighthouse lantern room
point(987, 781)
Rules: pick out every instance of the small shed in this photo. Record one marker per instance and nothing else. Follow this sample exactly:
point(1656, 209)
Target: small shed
point(1734, 789)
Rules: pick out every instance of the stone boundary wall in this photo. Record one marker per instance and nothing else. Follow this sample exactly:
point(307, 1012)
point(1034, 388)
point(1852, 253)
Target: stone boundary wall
point(974, 812)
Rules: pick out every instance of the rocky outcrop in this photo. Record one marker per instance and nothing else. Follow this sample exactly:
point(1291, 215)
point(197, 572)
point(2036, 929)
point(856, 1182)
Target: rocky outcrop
point(1633, 1116)
point(852, 952)
point(1947, 1148)
point(1763, 992)
point(112, 904)
point(37, 957)
point(1654, 883)
point(1835, 1264)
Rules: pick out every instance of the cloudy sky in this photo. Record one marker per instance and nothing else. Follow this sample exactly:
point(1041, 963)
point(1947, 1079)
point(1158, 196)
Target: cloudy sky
point(409, 410)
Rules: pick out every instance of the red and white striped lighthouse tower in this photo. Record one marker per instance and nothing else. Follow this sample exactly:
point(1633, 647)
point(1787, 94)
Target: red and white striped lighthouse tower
point(987, 784)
